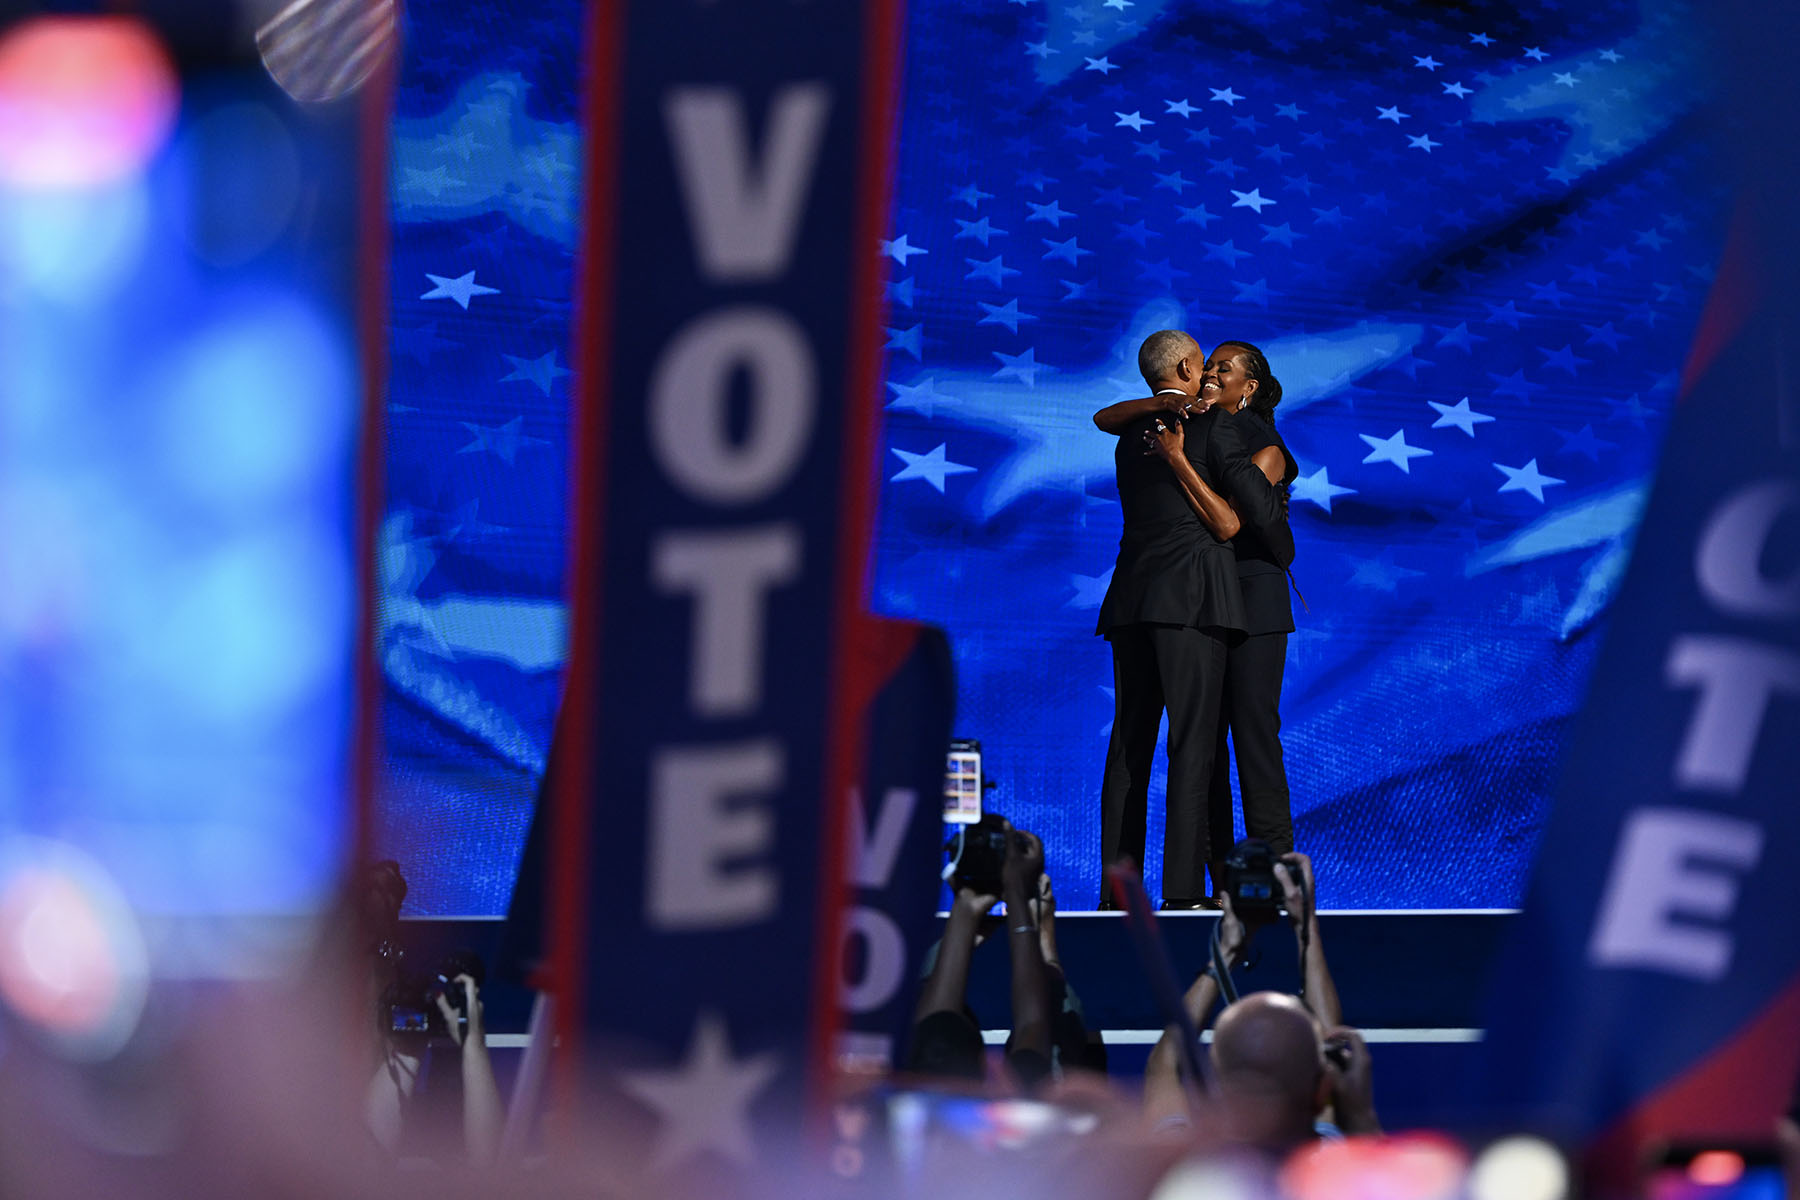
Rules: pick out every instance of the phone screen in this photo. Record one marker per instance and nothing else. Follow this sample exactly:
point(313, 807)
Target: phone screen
point(962, 783)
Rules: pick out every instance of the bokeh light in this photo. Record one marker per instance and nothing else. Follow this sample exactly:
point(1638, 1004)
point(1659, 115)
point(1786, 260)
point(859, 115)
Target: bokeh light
point(1519, 1168)
point(83, 100)
point(72, 960)
point(244, 172)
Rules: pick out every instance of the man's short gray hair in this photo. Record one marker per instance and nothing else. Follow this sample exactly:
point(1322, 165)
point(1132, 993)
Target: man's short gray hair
point(1161, 351)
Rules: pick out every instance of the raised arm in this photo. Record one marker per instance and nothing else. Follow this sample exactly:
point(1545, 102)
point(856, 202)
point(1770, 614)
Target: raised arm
point(1294, 873)
point(1030, 990)
point(1164, 1095)
point(1117, 418)
point(1168, 443)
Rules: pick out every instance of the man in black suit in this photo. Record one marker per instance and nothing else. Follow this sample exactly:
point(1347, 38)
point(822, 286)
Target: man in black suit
point(1172, 608)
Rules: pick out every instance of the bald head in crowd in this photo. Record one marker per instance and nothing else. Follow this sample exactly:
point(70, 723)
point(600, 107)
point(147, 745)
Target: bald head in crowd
point(1270, 1068)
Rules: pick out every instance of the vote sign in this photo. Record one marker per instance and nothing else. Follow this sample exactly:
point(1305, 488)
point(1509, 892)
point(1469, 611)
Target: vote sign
point(726, 371)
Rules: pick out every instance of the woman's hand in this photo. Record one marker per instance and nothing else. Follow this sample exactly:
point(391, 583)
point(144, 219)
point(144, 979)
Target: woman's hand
point(1166, 439)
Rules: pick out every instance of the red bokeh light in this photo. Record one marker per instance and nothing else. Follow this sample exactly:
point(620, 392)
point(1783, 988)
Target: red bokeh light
point(83, 100)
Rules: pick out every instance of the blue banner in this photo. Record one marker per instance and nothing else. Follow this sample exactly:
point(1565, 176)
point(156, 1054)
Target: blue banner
point(1653, 990)
point(724, 370)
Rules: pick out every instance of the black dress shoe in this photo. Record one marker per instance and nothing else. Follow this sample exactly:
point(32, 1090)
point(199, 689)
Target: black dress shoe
point(1204, 904)
point(1107, 904)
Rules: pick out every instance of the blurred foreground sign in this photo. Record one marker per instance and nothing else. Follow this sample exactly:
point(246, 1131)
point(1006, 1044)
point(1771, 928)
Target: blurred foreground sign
point(1654, 990)
point(726, 371)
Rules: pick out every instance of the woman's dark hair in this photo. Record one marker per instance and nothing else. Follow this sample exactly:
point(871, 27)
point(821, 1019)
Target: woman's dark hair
point(1268, 388)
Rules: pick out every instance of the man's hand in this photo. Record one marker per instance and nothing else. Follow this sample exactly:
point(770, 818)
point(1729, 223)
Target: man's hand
point(1166, 439)
point(1295, 875)
point(471, 1031)
point(1352, 1085)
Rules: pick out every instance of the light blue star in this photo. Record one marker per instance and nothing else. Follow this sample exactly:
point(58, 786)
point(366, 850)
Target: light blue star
point(1282, 234)
point(1252, 293)
point(504, 441)
point(899, 249)
point(1511, 385)
point(542, 371)
point(1460, 337)
point(1198, 214)
point(1252, 199)
point(1565, 78)
point(1526, 479)
point(1392, 114)
point(1103, 65)
point(1090, 590)
point(910, 340)
point(1052, 212)
point(1225, 252)
point(462, 289)
point(1583, 442)
point(980, 230)
point(1021, 366)
point(1007, 314)
point(1611, 56)
point(1565, 359)
point(1481, 39)
point(1318, 489)
point(1174, 181)
point(901, 291)
point(1179, 107)
point(919, 397)
point(932, 467)
point(1393, 450)
point(1225, 96)
point(993, 270)
point(1458, 416)
point(969, 194)
point(1428, 62)
point(1458, 90)
point(1605, 334)
point(1134, 121)
point(1422, 142)
point(1291, 111)
point(1535, 53)
point(1065, 250)
point(1040, 49)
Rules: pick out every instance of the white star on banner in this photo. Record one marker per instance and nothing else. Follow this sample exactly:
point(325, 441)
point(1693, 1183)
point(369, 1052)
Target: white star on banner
point(1318, 488)
point(462, 289)
point(1458, 416)
point(1526, 479)
point(1252, 199)
point(704, 1102)
point(1393, 450)
point(932, 467)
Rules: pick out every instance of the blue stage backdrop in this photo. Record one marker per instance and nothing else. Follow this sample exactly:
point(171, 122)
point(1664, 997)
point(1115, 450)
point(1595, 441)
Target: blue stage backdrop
point(1472, 242)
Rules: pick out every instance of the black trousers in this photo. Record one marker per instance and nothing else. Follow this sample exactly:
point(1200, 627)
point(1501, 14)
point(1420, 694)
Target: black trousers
point(1180, 669)
point(1250, 707)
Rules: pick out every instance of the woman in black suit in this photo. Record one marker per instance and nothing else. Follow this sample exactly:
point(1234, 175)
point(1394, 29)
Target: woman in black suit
point(1237, 379)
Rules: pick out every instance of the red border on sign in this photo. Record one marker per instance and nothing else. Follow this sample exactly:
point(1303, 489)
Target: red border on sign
point(374, 120)
point(574, 790)
point(854, 679)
